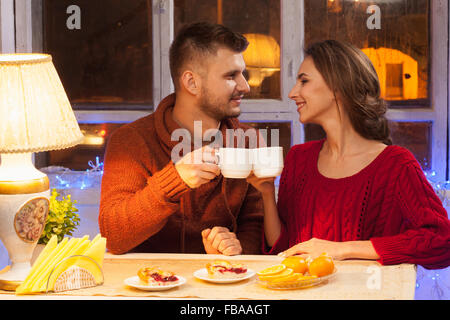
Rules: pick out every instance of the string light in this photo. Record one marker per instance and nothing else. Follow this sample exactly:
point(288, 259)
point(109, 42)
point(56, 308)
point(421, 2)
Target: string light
point(432, 278)
point(64, 178)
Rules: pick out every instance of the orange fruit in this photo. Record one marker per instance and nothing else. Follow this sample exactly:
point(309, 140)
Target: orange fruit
point(272, 270)
point(296, 263)
point(321, 266)
point(286, 272)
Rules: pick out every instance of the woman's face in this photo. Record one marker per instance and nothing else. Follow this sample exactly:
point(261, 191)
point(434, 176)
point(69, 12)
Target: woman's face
point(314, 99)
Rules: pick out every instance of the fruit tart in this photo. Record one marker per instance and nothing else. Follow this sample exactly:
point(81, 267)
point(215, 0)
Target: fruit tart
point(222, 269)
point(152, 276)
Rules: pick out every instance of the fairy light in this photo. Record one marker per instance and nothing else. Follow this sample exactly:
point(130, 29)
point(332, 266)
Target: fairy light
point(431, 278)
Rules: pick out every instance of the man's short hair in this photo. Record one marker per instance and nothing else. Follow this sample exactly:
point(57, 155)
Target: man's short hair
point(195, 41)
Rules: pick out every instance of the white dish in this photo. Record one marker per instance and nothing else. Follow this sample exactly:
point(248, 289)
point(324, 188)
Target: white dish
point(135, 283)
point(202, 274)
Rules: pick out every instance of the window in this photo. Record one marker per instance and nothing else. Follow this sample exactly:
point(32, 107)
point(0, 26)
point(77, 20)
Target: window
point(102, 103)
point(409, 51)
point(102, 51)
point(393, 34)
point(79, 156)
point(259, 21)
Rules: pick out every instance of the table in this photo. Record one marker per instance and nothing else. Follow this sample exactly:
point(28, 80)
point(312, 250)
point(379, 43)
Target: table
point(354, 280)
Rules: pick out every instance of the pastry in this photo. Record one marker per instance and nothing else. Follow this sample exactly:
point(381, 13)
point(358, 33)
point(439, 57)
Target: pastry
point(156, 277)
point(221, 269)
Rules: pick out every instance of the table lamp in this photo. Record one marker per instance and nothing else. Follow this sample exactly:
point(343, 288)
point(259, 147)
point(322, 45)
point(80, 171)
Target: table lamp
point(35, 116)
point(262, 57)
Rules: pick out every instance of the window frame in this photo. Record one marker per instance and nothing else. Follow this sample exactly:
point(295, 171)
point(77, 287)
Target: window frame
point(28, 37)
point(438, 94)
point(7, 28)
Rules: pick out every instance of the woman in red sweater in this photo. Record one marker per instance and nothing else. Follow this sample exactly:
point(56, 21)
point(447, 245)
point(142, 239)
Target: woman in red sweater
point(353, 194)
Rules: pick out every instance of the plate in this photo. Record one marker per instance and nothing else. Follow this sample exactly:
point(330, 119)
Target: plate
point(202, 274)
point(136, 283)
point(298, 284)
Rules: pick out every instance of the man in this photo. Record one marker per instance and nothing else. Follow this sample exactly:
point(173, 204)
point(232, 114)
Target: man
point(153, 203)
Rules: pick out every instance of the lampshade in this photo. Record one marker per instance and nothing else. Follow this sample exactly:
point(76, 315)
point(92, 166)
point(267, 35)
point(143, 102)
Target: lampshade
point(263, 51)
point(262, 57)
point(35, 113)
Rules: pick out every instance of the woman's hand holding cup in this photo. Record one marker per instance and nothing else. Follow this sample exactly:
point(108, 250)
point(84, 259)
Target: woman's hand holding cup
point(264, 185)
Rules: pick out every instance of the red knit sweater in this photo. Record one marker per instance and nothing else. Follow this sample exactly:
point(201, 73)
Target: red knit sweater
point(389, 202)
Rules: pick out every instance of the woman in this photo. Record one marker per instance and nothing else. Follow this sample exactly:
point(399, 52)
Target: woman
point(353, 194)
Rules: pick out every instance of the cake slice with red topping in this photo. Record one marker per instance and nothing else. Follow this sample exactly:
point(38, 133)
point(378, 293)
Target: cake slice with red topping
point(222, 269)
point(156, 277)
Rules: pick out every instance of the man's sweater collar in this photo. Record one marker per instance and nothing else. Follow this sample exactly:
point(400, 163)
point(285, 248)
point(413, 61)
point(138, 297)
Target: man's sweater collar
point(165, 124)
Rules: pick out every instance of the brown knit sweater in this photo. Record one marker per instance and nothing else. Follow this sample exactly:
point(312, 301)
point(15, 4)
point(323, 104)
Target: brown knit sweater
point(146, 207)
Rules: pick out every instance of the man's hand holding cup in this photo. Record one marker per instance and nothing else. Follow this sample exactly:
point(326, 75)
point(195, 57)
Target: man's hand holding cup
point(198, 167)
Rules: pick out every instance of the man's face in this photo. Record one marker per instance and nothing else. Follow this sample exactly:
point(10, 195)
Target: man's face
point(223, 85)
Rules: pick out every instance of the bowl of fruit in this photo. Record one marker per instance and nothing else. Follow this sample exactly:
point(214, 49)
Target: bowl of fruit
point(295, 272)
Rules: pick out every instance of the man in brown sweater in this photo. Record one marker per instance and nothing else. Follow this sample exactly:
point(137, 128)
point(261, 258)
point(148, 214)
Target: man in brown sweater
point(151, 202)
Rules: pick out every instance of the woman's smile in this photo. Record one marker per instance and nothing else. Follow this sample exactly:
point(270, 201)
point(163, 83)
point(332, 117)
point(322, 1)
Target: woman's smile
point(300, 104)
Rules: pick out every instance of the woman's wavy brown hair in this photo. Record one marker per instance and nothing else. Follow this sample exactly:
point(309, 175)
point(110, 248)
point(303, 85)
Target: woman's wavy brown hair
point(349, 73)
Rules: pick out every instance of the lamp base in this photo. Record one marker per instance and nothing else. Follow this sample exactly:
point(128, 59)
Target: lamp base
point(9, 285)
point(22, 218)
point(11, 279)
point(24, 206)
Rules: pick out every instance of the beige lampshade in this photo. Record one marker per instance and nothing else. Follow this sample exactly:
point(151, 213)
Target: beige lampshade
point(262, 57)
point(263, 51)
point(35, 113)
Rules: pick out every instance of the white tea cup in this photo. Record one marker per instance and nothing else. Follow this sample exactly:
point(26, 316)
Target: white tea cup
point(235, 162)
point(267, 162)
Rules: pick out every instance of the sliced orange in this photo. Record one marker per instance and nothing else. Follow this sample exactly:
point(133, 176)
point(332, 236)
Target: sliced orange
point(304, 277)
point(272, 270)
point(282, 274)
point(289, 278)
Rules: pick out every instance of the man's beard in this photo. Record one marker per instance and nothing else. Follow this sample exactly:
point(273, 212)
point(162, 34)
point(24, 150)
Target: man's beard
point(216, 109)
